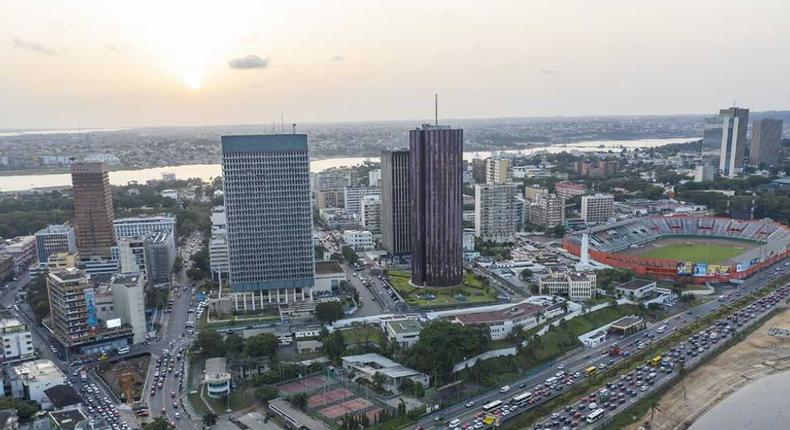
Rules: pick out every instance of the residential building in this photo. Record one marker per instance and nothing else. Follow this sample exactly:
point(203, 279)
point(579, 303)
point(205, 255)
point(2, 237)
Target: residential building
point(22, 249)
point(597, 168)
point(160, 255)
point(704, 173)
point(469, 239)
point(144, 226)
point(53, 239)
point(28, 380)
point(170, 194)
point(395, 202)
point(496, 214)
point(218, 243)
point(573, 285)
point(131, 255)
point(128, 297)
point(333, 179)
point(352, 197)
point(531, 192)
point(569, 190)
point(766, 142)
point(329, 199)
point(368, 365)
point(17, 340)
point(404, 331)
point(93, 210)
point(548, 210)
point(328, 276)
point(374, 177)
point(269, 215)
point(501, 322)
point(436, 205)
point(358, 239)
point(735, 121)
point(597, 208)
point(498, 171)
point(216, 377)
point(370, 210)
point(636, 288)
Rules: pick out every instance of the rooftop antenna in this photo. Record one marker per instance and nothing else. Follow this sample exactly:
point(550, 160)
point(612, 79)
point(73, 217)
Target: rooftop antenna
point(282, 123)
point(274, 128)
point(436, 109)
point(293, 128)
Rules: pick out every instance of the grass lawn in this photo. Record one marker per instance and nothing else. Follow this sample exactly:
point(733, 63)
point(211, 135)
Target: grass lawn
point(695, 252)
point(361, 334)
point(197, 403)
point(473, 291)
point(694, 287)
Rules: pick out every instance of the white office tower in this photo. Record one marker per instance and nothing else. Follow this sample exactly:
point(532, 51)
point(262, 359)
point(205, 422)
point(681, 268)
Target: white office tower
point(370, 208)
point(374, 176)
point(128, 298)
point(269, 217)
point(735, 121)
point(496, 212)
point(352, 197)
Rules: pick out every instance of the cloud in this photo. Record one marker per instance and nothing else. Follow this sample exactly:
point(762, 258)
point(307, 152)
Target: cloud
point(249, 62)
point(32, 46)
point(549, 71)
point(336, 58)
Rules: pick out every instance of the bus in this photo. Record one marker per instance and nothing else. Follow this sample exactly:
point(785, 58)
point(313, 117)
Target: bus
point(656, 360)
point(488, 407)
point(521, 398)
point(595, 415)
point(590, 370)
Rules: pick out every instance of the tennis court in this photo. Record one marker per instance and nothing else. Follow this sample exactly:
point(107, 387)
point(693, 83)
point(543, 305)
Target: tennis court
point(302, 385)
point(349, 407)
point(328, 398)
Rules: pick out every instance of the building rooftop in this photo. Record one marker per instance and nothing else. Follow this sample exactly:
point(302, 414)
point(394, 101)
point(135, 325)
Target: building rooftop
point(635, 284)
point(131, 279)
point(40, 370)
point(62, 396)
point(404, 326)
point(68, 274)
point(501, 315)
point(55, 229)
point(68, 419)
point(216, 370)
point(327, 267)
point(374, 363)
point(10, 323)
point(626, 322)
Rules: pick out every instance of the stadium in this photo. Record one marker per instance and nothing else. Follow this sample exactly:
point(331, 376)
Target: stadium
point(689, 248)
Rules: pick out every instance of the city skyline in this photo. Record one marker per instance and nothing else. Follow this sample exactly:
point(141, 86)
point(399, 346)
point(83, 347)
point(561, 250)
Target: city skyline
point(84, 65)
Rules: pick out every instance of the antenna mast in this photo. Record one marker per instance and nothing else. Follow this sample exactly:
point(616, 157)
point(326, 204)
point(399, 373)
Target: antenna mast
point(436, 109)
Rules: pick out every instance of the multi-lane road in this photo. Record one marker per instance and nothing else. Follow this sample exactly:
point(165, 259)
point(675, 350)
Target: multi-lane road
point(582, 358)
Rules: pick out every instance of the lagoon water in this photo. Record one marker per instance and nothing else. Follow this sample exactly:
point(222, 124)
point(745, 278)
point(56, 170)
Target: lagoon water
point(761, 405)
point(208, 171)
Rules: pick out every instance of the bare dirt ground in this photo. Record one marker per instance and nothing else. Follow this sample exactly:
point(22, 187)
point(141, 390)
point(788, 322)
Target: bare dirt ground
point(756, 356)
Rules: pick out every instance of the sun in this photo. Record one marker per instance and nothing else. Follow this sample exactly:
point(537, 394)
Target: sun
point(192, 79)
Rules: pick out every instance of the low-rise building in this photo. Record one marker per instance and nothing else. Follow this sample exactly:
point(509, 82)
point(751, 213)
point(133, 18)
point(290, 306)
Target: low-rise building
point(368, 365)
point(405, 331)
point(308, 346)
point(573, 285)
point(29, 380)
point(22, 249)
point(216, 377)
point(359, 240)
point(17, 340)
point(328, 276)
point(636, 288)
point(62, 397)
point(627, 325)
point(70, 419)
point(501, 322)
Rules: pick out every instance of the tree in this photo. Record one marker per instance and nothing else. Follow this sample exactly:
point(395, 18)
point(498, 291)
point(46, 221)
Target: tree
point(159, 423)
point(558, 230)
point(25, 409)
point(266, 393)
point(209, 419)
point(210, 343)
point(298, 400)
point(334, 344)
point(525, 275)
point(178, 263)
point(234, 345)
point(264, 344)
point(379, 379)
point(328, 312)
point(442, 344)
point(349, 254)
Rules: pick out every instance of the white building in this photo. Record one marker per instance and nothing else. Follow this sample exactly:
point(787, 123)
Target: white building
point(704, 173)
point(53, 239)
point(370, 209)
point(636, 288)
point(358, 239)
point(496, 215)
point(573, 285)
point(170, 194)
point(368, 365)
point(374, 176)
point(501, 322)
point(218, 243)
point(143, 226)
point(328, 276)
point(597, 208)
point(469, 239)
point(216, 377)
point(352, 196)
point(29, 380)
point(17, 340)
point(128, 296)
point(405, 331)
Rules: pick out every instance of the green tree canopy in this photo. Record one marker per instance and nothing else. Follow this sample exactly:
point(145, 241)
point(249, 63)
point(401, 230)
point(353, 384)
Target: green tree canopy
point(264, 344)
point(328, 312)
point(442, 344)
point(210, 342)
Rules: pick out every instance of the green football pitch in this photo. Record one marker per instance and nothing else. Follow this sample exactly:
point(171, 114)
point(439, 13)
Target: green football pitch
point(696, 252)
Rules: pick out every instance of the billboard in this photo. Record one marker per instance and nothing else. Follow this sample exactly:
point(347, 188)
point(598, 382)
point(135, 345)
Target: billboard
point(114, 323)
point(700, 270)
point(685, 268)
point(718, 270)
point(90, 307)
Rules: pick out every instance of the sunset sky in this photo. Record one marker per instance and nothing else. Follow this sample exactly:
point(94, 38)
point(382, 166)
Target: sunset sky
point(70, 63)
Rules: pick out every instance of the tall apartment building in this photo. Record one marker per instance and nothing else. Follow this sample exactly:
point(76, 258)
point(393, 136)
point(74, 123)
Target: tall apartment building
point(17, 340)
point(22, 249)
point(93, 210)
point(436, 205)
point(597, 208)
point(352, 197)
point(333, 179)
point(160, 255)
point(766, 142)
point(131, 255)
point(269, 215)
point(218, 244)
point(569, 190)
point(374, 177)
point(53, 239)
point(143, 226)
point(547, 210)
point(735, 121)
point(498, 171)
point(395, 202)
point(370, 210)
point(496, 211)
point(128, 297)
point(703, 173)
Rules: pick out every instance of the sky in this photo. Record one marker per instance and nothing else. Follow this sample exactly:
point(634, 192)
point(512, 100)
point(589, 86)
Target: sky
point(119, 63)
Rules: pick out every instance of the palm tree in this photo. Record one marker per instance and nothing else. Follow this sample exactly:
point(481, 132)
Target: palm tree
point(653, 408)
point(682, 376)
point(209, 419)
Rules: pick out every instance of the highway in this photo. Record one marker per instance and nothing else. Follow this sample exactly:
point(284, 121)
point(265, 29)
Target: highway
point(582, 358)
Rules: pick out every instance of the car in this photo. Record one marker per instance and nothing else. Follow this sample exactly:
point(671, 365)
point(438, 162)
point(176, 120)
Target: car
point(470, 403)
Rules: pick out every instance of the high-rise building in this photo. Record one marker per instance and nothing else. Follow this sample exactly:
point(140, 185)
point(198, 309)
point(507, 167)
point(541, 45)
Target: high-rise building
point(333, 179)
point(374, 177)
point(704, 172)
point(269, 215)
point(496, 213)
point(436, 205)
point(218, 244)
point(53, 239)
point(128, 298)
point(766, 141)
point(145, 225)
point(498, 171)
point(569, 190)
point(711, 137)
point(131, 255)
point(160, 254)
point(547, 210)
point(353, 197)
point(93, 211)
point(395, 202)
point(735, 121)
point(597, 208)
point(371, 214)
